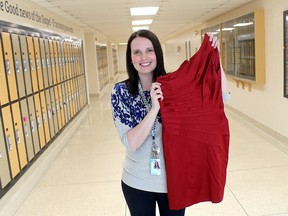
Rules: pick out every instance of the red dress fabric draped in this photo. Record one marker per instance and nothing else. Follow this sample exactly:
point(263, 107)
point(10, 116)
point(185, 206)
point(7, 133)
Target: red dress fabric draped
point(195, 130)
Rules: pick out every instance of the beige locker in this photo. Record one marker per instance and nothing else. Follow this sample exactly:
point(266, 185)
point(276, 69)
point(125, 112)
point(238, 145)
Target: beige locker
point(9, 66)
point(18, 65)
point(59, 61)
point(3, 82)
point(61, 104)
point(45, 116)
point(69, 62)
point(27, 129)
point(56, 61)
point(65, 102)
point(19, 135)
point(49, 113)
point(5, 177)
point(63, 65)
point(39, 120)
point(57, 104)
point(10, 141)
point(38, 61)
point(25, 64)
point(32, 62)
point(33, 125)
point(44, 62)
point(48, 62)
point(54, 113)
point(75, 94)
point(53, 64)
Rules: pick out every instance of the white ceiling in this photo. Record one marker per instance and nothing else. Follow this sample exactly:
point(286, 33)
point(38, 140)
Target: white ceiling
point(112, 18)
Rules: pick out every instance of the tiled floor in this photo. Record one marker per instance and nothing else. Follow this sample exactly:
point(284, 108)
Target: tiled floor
point(85, 177)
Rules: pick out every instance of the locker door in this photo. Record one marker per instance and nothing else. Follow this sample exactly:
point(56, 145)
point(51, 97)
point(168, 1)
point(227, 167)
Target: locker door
point(45, 116)
point(67, 69)
point(54, 113)
point(52, 58)
point(65, 107)
point(48, 62)
point(71, 103)
point(57, 72)
point(25, 64)
point(61, 51)
point(61, 105)
point(49, 113)
point(18, 129)
point(39, 120)
point(5, 177)
point(38, 62)
point(32, 62)
point(33, 125)
point(3, 84)
point(27, 129)
point(43, 62)
point(57, 103)
point(59, 61)
point(9, 63)
point(18, 65)
point(74, 95)
point(10, 141)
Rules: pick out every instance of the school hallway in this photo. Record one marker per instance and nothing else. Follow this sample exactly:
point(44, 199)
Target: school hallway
point(84, 176)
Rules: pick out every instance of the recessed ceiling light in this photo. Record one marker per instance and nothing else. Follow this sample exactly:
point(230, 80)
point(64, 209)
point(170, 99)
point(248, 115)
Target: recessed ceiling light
point(227, 29)
point(138, 11)
point(243, 24)
point(142, 22)
point(136, 28)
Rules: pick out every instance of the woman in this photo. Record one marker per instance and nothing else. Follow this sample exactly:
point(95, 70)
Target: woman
point(135, 107)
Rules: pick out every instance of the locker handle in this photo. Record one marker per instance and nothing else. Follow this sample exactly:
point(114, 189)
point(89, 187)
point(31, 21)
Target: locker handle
point(31, 65)
point(24, 65)
point(9, 143)
point(37, 64)
point(32, 126)
point(17, 134)
point(17, 66)
point(7, 62)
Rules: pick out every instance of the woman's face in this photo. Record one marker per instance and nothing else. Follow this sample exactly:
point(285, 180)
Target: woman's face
point(143, 55)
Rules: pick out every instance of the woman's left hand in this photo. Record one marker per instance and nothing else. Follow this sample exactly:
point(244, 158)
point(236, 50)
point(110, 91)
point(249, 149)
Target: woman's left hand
point(214, 41)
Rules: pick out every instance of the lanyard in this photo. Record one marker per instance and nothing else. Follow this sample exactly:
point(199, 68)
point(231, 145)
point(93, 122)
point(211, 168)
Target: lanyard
point(155, 148)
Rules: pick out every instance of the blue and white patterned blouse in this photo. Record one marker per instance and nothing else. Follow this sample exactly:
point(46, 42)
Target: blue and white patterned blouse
point(128, 111)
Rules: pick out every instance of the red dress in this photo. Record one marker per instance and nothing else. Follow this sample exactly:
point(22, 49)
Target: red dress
point(195, 130)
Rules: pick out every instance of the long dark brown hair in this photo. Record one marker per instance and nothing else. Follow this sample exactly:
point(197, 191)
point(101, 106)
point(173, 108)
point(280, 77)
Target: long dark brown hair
point(132, 81)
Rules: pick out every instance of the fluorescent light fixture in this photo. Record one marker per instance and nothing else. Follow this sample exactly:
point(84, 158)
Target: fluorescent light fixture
point(243, 24)
point(138, 11)
point(227, 29)
point(136, 28)
point(142, 22)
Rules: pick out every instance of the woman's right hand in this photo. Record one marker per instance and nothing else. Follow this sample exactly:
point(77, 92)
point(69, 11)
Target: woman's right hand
point(156, 94)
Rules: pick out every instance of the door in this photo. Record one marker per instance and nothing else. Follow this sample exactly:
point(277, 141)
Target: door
point(3, 82)
point(27, 129)
point(10, 141)
point(44, 62)
point(45, 116)
point(9, 66)
point(54, 113)
point(38, 61)
point(19, 135)
point(25, 64)
point(32, 62)
point(18, 65)
point(39, 120)
point(49, 113)
point(33, 125)
point(5, 177)
point(48, 62)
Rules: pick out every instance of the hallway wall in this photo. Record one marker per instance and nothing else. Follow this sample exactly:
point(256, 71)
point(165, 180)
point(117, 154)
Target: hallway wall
point(265, 103)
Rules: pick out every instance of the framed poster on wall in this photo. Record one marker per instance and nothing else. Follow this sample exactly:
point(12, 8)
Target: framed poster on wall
point(285, 30)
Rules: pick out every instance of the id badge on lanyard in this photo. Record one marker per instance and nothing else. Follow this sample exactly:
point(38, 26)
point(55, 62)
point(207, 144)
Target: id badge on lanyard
point(155, 168)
